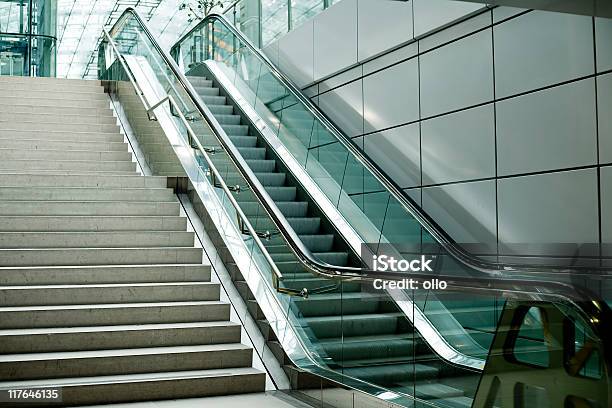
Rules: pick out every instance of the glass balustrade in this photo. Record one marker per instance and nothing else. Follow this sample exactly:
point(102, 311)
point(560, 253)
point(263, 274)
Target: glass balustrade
point(415, 348)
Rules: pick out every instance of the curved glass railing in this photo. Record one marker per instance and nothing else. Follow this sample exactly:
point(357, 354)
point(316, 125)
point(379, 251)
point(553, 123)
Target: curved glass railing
point(354, 337)
point(376, 208)
point(376, 212)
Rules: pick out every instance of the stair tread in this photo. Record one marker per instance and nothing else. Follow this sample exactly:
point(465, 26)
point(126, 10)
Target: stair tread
point(62, 355)
point(115, 328)
point(128, 378)
point(106, 285)
point(110, 306)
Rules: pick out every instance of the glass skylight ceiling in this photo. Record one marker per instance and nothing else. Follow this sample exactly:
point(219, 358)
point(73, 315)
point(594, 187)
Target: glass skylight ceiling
point(80, 24)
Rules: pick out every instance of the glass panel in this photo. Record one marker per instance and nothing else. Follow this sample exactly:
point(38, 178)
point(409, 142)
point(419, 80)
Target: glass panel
point(401, 345)
point(302, 10)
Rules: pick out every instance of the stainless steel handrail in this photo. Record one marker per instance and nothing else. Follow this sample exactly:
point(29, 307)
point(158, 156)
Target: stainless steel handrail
point(459, 253)
point(242, 219)
point(594, 309)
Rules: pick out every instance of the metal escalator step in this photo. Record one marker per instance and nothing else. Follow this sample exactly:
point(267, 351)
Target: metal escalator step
point(329, 304)
point(456, 402)
point(200, 81)
point(376, 346)
point(228, 119)
point(271, 179)
point(244, 141)
point(276, 193)
point(236, 130)
point(390, 373)
point(207, 91)
point(305, 225)
point(436, 391)
point(261, 165)
point(332, 258)
point(282, 193)
point(221, 109)
point(258, 153)
point(214, 100)
point(354, 325)
point(314, 284)
point(314, 242)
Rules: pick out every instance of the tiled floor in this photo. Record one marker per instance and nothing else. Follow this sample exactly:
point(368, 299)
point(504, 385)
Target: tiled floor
point(267, 400)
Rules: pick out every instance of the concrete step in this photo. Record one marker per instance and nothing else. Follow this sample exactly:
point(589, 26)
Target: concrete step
point(85, 193)
point(60, 173)
point(69, 110)
point(56, 101)
point(30, 317)
point(43, 81)
point(44, 295)
point(34, 144)
point(29, 154)
point(51, 119)
point(98, 208)
point(74, 166)
point(25, 87)
point(91, 223)
point(100, 137)
point(97, 239)
point(167, 168)
point(49, 180)
point(99, 256)
point(123, 361)
point(70, 275)
point(59, 127)
point(75, 94)
point(151, 386)
point(47, 340)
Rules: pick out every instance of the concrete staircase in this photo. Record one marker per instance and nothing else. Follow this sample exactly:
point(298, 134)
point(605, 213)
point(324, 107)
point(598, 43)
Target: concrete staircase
point(102, 291)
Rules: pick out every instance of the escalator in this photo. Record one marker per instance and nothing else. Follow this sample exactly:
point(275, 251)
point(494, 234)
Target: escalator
point(300, 210)
point(364, 334)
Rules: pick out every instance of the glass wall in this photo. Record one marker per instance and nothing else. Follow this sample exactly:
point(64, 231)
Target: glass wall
point(28, 37)
point(263, 21)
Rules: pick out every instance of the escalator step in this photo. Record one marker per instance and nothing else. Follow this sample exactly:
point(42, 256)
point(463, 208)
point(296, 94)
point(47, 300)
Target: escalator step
point(221, 109)
point(391, 373)
point(282, 193)
point(257, 153)
point(261, 165)
point(318, 242)
point(228, 119)
point(330, 304)
point(244, 141)
point(213, 100)
point(354, 325)
point(207, 91)
point(375, 347)
point(271, 179)
point(200, 81)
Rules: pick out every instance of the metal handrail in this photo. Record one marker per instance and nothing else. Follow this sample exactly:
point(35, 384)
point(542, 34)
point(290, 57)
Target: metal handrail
point(243, 221)
point(595, 311)
point(441, 236)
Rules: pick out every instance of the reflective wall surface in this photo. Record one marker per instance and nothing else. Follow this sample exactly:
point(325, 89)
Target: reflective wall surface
point(28, 37)
point(497, 122)
point(264, 21)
